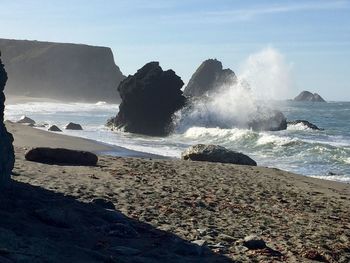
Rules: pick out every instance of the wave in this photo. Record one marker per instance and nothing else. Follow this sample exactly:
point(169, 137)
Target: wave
point(298, 127)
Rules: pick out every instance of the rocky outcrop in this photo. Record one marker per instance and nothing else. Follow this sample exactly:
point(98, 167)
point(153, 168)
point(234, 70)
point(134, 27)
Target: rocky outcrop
point(70, 72)
point(73, 126)
point(61, 156)
point(208, 78)
point(149, 100)
point(268, 120)
point(26, 120)
point(7, 157)
point(308, 96)
point(305, 123)
point(217, 154)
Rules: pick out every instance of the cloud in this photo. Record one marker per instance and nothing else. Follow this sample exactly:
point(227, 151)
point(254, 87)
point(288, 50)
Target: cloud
point(246, 14)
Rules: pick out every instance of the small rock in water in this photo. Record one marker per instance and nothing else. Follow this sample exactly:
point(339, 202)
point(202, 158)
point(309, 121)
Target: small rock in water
point(54, 128)
point(26, 120)
point(73, 126)
point(254, 242)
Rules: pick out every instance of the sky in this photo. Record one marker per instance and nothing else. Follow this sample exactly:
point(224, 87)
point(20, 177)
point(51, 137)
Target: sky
point(312, 36)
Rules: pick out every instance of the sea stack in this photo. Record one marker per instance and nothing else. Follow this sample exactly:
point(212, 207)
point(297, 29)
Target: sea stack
point(149, 100)
point(7, 157)
point(209, 77)
point(308, 96)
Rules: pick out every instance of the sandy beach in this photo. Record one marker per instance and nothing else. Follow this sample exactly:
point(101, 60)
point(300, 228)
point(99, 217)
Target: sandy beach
point(208, 208)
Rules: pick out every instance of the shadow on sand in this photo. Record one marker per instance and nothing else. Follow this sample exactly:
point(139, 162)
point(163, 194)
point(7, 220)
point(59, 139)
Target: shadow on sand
point(37, 225)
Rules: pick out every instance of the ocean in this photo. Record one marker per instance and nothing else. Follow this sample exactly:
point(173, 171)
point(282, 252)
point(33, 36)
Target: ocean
point(323, 154)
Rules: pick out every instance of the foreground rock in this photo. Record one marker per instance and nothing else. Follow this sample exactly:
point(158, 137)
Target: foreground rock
point(208, 78)
point(54, 128)
point(7, 158)
point(73, 126)
point(308, 96)
point(305, 123)
point(26, 120)
point(61, 156)
point(149, 100)
point(217, 154)
point(67, 72)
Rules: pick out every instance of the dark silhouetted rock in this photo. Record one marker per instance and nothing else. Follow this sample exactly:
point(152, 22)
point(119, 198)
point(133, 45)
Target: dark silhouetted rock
point(305, 123)
point(54, 128)
point(209, 77)
point(7, 157)
point(61, 156)
point(149, 100)
point(69, 72)
point(308, 96)
point(254, 242)
point(26, 120)
point(269, 121)
point(73, 126)
point(216, 153)
point(103, 203)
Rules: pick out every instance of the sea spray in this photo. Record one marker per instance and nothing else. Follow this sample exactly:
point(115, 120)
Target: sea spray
point(269, 76)
point(243, 102)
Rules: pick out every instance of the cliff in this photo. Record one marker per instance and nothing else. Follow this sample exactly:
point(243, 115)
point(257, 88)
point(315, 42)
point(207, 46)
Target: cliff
point(71, 72)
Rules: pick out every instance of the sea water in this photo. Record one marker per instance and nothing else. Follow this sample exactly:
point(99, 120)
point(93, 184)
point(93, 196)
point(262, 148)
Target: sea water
point(323, 154)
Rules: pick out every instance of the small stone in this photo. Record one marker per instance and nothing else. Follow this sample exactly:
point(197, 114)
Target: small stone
point(254, 242)
point(200, 242)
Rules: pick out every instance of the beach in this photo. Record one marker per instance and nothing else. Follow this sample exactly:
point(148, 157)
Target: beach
point(212, 205)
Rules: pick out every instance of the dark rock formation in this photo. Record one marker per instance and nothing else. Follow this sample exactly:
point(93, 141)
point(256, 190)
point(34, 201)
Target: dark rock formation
point(70, 72)
point(216, 153)
point(7, 157)
point(149, 100)
point(254, 242)
point(54, 128)
point(305, 123)
point(61, 156)
point(73, 126)
point(269, 121)
point(209, 77)
point(26, 120)
point(308, 96)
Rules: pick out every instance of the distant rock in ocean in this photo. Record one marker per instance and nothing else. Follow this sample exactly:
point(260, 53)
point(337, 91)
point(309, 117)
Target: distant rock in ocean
point(305, 123)
point(209, 77)
point(71, 72)
point(308, 96)
point(7, 157)
point(149, 100)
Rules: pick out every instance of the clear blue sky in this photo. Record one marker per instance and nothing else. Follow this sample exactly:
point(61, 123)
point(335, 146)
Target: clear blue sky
point(313, 36)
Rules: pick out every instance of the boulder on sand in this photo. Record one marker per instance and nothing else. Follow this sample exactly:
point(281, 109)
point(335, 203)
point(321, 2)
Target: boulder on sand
point(7, 157)
point(54, 128)
point(217, 154)
point(73, 126)
point(26, 120)
point(61, 156)
point(149, 100)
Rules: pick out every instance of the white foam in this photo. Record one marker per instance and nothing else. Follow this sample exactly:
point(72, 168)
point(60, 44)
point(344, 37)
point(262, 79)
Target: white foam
point(266, 138)
point(297, 127)
point(339, 178)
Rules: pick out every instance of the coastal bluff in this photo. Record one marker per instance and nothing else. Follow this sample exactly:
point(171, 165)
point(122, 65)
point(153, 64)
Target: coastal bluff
point(61, 71)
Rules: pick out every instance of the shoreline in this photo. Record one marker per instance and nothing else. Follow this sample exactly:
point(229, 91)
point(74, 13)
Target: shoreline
point(212, 206)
